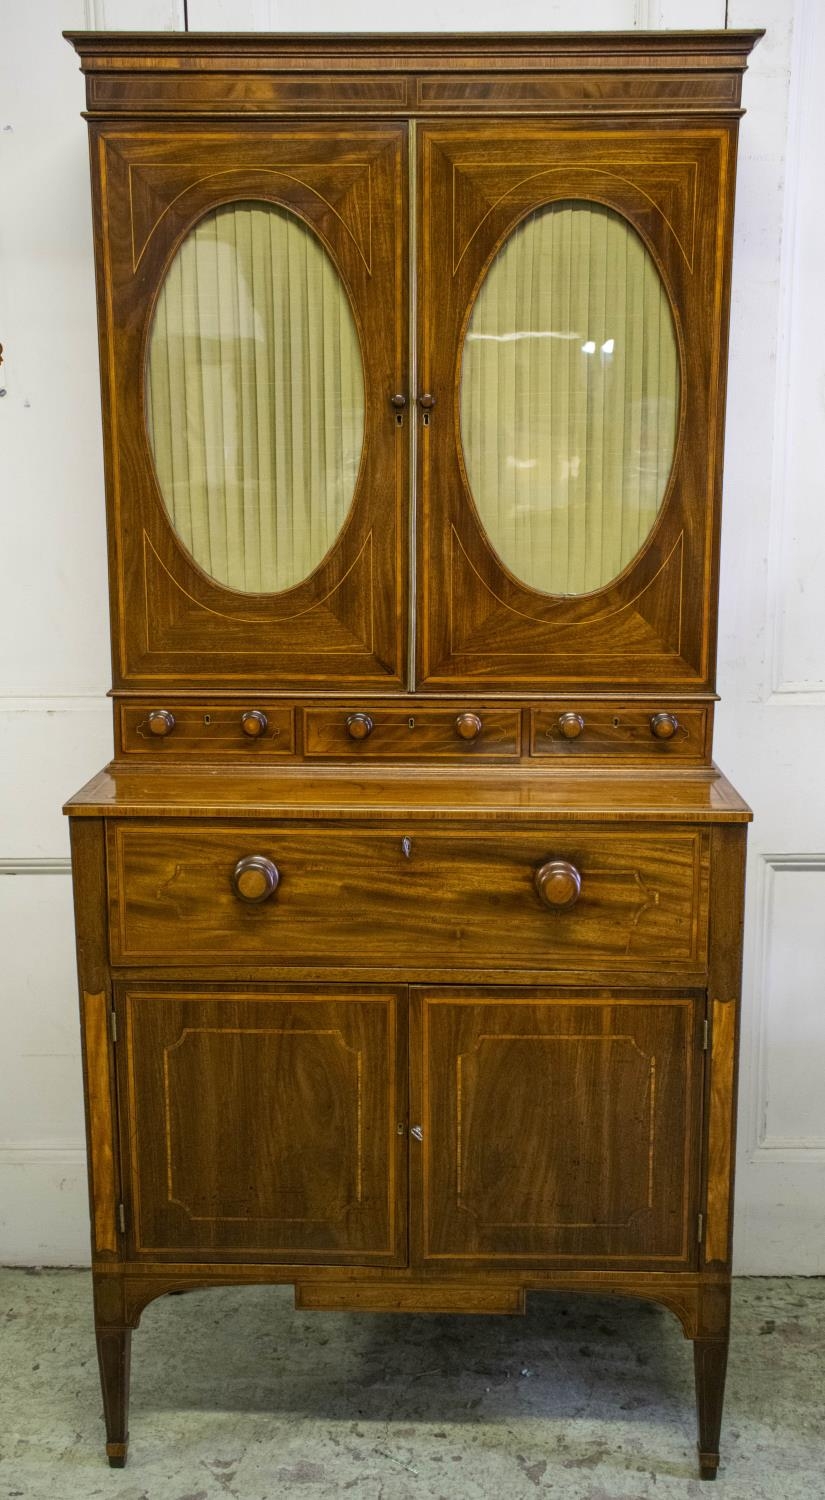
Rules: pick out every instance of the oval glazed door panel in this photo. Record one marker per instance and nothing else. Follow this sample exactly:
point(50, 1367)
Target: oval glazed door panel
point(569, 398)
point(255, 398)
point(253, 304)
point(572, 301)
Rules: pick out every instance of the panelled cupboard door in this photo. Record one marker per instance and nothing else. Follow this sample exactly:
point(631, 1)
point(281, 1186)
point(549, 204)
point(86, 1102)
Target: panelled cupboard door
point(573, 288)
point(555, 1128)
point(263, 1123)
point(253, 331)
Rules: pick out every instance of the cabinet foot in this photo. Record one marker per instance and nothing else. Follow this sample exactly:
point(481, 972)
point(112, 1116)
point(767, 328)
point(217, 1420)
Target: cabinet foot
point(113, 1352)
point(710, 1360)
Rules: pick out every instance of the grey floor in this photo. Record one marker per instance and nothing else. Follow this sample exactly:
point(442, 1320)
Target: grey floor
point(236, 1395)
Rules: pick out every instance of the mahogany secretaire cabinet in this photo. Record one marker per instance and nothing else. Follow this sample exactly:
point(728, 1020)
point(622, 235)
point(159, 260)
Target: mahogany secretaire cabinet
point(409, 910)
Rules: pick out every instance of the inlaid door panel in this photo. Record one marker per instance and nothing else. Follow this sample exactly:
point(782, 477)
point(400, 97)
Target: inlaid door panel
point(264, 1123)
point(556, 1128)
point(252, 306)
point(573, 287)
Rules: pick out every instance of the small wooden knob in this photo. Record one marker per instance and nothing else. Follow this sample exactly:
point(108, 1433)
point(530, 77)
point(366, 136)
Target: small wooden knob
point(663, 726)
point(255, 878)
point(253, 723)
point(571, 725)
point(161, 722)
point(427, 401)
point(359, 726)
point(559, 884)
point(468, 726)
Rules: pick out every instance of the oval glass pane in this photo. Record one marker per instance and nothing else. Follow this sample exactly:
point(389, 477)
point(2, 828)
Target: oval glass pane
point(255, 397)
point(570, 398)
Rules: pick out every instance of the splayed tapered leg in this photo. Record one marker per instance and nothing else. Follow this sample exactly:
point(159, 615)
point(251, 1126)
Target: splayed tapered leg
point(710, 1360)
point(113, 1352)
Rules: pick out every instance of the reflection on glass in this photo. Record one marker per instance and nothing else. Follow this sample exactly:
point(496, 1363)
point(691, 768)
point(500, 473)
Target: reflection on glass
point(569, 398)
point(255, 397)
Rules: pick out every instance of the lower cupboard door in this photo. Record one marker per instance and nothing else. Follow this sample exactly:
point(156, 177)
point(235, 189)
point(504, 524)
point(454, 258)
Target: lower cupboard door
point(556, 1128)
point(263, 1124)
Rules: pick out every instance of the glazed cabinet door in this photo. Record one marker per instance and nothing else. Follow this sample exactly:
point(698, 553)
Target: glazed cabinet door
point(264, 1123)
point(253, 334)
point(556, 1128)
point(573, 288)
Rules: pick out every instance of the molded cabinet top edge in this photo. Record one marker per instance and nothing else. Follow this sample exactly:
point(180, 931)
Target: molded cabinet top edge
point(604, 73)
point(102, 51)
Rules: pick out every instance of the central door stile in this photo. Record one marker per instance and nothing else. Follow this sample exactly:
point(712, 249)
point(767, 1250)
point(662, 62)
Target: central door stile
point(412, 346)
point(417, 1134)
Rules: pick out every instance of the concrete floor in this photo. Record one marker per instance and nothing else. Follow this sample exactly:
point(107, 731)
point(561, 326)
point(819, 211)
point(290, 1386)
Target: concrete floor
point(235, 1396)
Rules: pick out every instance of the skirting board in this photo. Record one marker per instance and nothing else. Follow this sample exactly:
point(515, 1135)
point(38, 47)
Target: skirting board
point(44, 1212)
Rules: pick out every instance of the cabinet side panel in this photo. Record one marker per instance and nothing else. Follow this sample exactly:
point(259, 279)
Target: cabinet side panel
point(727, 915)
point(98, 1073)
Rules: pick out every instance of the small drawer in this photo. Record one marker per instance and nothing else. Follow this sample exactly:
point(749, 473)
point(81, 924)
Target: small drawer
point(342, 733)
point(195, 731)
point(506, 897)
point(621, 730)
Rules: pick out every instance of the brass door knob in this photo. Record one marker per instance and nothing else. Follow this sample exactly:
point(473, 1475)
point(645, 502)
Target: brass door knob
point(255, 878)
point(559, 884)
point(664, 726)
point(468, 726)
point(359, 726)
point(253, 723)
point(161, 722)
point(571, 725)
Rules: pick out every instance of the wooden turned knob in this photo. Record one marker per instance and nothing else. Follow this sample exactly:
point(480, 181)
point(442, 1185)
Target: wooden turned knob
point(663, 726)
point(468, 726)
point(558, 884)
point(255, 878)
point(253, 723)
point(161, 722)
point(359, 726)
point(571, 725)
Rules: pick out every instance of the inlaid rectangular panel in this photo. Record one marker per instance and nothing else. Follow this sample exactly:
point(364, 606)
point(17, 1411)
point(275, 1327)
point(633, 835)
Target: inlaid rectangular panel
point(356, 895)
point(556, 1127)
point(264, 1122)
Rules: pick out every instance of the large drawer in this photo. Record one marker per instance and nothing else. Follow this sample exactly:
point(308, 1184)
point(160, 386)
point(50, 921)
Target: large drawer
point(352, 895)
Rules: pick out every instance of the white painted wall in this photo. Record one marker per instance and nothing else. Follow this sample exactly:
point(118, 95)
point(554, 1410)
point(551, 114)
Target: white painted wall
point(54, 655)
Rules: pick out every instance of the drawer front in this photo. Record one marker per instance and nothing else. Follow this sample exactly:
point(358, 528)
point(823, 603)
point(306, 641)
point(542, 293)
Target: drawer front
point(623, 731)
point(205, 731)
point(361, 897)
point(458, 733)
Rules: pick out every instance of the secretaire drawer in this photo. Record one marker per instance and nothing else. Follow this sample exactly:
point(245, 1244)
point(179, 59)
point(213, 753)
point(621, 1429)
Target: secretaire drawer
point(262, 893)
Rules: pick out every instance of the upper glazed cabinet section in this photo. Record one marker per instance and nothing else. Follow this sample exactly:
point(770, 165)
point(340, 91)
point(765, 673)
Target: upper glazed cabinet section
point(563, 430)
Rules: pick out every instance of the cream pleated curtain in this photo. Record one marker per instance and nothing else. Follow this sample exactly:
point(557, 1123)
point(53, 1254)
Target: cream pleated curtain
point(569, 397)
point(255, 397)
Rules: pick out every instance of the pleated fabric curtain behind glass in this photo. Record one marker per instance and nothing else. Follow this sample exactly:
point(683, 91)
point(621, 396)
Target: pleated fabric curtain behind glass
point(255, 397)
point(569, 398)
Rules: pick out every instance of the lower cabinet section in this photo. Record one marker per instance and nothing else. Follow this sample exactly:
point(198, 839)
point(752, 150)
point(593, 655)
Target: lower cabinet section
point(278, 1123)
point(264, 1123)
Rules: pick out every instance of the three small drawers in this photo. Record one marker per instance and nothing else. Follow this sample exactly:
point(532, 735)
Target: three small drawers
point(379, 731)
